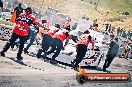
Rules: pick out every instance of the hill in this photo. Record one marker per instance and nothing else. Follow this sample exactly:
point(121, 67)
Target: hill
point(107, 10)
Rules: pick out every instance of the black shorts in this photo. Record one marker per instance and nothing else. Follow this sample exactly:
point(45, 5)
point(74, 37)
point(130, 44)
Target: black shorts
point(1, 4)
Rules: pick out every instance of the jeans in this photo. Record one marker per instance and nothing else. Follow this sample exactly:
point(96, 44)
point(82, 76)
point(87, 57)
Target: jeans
point(12, 40)
point(56, 46)
point(108, 60)
point(17, 43)
point(46, 42)
point(32, 36)
point(81, 51)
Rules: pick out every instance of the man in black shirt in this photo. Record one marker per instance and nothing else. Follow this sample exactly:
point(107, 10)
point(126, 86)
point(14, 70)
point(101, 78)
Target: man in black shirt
point(112, 52)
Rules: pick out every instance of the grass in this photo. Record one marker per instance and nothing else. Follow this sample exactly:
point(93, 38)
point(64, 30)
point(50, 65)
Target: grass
point(114, 5)
point(123, 5)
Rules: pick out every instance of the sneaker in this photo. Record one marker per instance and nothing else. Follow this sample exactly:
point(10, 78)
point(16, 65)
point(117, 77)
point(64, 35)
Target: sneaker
point(104, 69)
point(38, 56)
point(45, 55)
point(45, 60)
point(20, 58)
point(20, 61)
point(2, 54)
point(53, 62)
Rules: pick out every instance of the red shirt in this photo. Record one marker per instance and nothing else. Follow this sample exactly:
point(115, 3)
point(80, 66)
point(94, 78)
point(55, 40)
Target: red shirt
point(51, 32)
point(23, 23)
point(85, 40)
point(61, 35)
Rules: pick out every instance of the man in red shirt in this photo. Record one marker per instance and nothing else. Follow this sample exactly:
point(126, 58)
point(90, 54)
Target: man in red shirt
point(57, 43)
point(82, 45)
point(46, 42)
point(21, 31)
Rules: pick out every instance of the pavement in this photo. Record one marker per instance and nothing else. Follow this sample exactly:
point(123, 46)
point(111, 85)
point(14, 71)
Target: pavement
point(37, 73)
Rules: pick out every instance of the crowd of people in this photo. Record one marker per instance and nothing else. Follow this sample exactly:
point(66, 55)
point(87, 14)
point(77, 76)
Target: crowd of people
point(28, 28)
point(120, 31)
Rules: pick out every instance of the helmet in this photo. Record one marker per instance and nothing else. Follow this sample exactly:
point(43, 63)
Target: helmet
point(28, 10)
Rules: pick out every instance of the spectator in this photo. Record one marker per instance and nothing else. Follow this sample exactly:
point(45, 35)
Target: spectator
point(126, 49)
point(109, 30)
point(129, 35)
point(118, 31)
point(124, 35)
point(121, 31)
point(107, 26)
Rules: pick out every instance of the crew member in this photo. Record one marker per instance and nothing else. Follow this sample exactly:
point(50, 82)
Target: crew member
point(57, 43)
point(21, 31)
point(82, 45)
point(46, 42)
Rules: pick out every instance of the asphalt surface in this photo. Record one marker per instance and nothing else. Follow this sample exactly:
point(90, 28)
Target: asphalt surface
point(37, 73)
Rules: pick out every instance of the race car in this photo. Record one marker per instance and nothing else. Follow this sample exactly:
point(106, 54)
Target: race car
point(92, 57)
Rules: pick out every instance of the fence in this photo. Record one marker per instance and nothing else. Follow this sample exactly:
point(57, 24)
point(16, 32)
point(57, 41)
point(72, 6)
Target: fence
point(5, 32)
